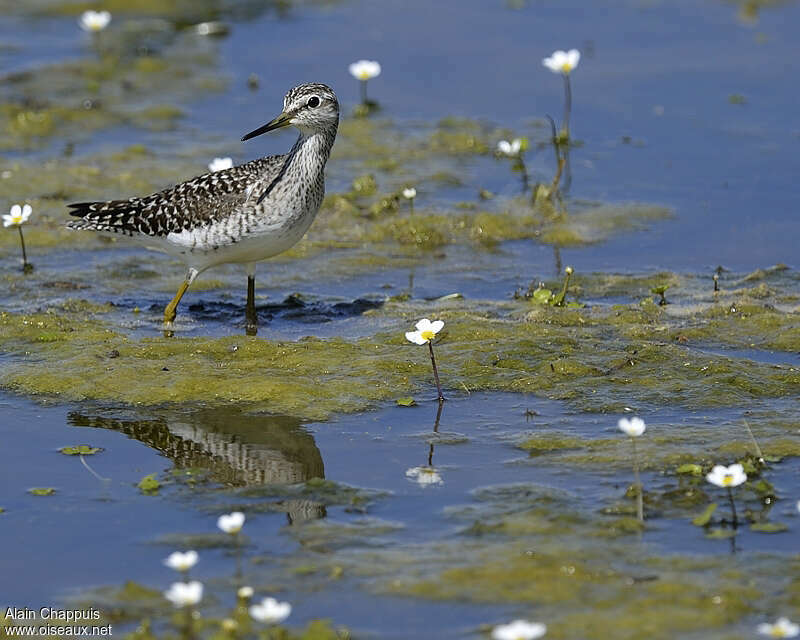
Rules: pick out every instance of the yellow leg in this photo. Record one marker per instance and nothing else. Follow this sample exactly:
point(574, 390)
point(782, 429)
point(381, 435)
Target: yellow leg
point(171, 311)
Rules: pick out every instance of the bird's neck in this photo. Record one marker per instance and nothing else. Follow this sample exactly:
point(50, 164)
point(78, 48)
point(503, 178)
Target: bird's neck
point(312, 149)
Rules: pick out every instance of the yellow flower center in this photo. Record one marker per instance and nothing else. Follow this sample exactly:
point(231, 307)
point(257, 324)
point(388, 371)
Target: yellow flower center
point(427, 335)
point(777, 632)
point(364, 75)
point(566, 67)
point(727, 480)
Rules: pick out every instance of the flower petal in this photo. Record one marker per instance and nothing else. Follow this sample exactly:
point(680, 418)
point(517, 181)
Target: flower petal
point(415, 337)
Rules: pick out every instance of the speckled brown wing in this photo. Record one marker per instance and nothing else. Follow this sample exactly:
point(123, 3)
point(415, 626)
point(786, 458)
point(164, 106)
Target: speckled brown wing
point(195, 203)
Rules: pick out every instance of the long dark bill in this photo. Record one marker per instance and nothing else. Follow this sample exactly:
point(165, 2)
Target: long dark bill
point(282, 120)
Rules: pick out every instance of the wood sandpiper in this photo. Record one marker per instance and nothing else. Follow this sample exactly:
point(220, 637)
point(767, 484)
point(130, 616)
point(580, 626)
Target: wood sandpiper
point(248, 213)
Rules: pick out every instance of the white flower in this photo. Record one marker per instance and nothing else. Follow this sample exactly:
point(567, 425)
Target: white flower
point(562, 61)
point(723, 476)
point(94, 20)
point(519, 630)
point(181, 561)
point(424, 475)
point(365, 69)
point(782, 628)
point(271, 611)
point(220, 164)
point(509, 148)
point(426, 330)
point(245, 593)
point(231, 522)
point(633, 427)
point(17, 216)
point(409, 193)
point(184, 594)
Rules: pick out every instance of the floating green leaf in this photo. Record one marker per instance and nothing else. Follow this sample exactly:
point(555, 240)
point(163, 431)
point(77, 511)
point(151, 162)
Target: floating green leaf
point(149, 484)
point(704, 518)
point(768, 527)
point(690, 468)
point(720, 534)
point(42, 491)
point(80, 450)
point(406, 402)
point(542, 295)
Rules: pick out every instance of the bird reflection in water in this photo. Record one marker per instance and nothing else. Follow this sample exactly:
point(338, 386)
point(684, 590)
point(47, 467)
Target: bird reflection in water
point(237, 449)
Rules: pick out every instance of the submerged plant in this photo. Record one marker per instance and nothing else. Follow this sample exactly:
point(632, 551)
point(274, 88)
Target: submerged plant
point(634, 428)
point(519, 630)
point(365, 70)
point(16, 218)
point(425, 333)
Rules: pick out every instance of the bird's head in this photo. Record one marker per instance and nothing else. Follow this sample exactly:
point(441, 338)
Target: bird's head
point(312, 108)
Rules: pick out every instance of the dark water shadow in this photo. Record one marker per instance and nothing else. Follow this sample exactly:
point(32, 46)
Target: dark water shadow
point(294, 308)
point(235, 449)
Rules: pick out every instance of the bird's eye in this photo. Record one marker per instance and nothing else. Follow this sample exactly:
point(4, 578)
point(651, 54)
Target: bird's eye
point(313, 102)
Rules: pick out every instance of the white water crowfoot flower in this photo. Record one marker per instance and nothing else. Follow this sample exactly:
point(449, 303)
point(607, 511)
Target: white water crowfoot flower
point(782, 628)
point(633, 427)
point(231, 522)
point(364, 70)
point(425, 476)
point(244, 593)
point(510, 149)
point(270, 611)
point(94, 21)
point(181, 561)
point(185, 594)
point(519, 630)
point(18, 215)
point(220, 164)
point(727, 477)
point(562, 61)
point(426, 331)
point(409, 193)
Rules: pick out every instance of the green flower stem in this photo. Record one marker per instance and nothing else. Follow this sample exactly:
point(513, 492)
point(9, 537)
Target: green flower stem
point(733, 508)
point(188, 631)
point(524, 169)
point(435, 372)
point(639, 497)
point(364, 92)
point(411, 204)
point(567, 105)
point(22, 242)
